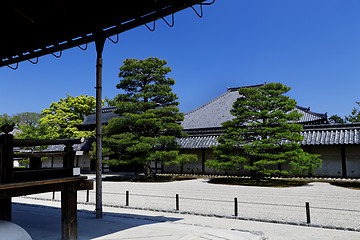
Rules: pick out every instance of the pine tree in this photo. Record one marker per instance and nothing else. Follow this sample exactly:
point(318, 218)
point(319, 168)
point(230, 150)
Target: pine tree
point(263, 134)
point(149, 122)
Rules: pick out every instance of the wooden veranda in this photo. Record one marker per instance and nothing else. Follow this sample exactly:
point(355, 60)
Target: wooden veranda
point(32, 29)
point(15, 182)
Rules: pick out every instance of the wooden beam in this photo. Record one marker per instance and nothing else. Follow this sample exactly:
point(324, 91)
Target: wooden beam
point(24, 175)
point(38, 154)
point(44, 142)
point(41, 183)
point(34, 187)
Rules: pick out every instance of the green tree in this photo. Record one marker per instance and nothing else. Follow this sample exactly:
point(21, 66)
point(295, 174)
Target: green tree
point(24, 123)
point(263, 134)
point(28, 123)
point(6, 118)
point(60, 118)
point(149, 125)
point(354, 116)
point(336, 119)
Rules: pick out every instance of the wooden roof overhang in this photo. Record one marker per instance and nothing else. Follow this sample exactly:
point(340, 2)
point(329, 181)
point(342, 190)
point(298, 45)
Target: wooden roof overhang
point(31, 29)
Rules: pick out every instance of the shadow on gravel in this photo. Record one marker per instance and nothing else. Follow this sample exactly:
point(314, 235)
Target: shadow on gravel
point(142, 178)
point(346, 184)
point(262, 183)
point(43, 222)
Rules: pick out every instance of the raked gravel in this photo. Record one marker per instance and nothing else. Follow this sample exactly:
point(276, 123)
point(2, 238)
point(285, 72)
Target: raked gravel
point(330, 206)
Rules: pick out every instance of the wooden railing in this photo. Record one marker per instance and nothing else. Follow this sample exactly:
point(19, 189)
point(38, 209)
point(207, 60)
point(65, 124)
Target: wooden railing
point(16, 182)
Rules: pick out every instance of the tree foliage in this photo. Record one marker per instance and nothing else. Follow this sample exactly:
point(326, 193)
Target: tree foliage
point(149, 125)
point(26, 124)
point(263, 134)
point(354, 116)
point(336, 119)
point(60, 118)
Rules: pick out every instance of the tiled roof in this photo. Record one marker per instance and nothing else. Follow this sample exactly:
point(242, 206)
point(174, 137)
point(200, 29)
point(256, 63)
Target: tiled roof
point(90, 121)
point(210, 115)
point(197, 142)
point(326, 134)
point(333, 134)
point(85, 146)
point(217, 111)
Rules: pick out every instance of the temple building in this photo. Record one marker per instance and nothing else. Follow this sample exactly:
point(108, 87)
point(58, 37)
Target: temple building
point(338, 144)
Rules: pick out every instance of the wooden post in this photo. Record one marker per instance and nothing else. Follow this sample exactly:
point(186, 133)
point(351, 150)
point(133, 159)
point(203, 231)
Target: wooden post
point(35, 163)
point(69, 212)
point(7, 158)
point(203, 161)
point(69, 158)
point(177, 202)
point(343, 161)
point(235, 207)
point(87, 195)
point(6, 168)
point(127, 199)
point(99, 44)
point(307, 212)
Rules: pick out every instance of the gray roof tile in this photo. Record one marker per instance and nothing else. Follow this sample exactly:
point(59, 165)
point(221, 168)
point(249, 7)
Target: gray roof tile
point(217, 111)
point(326, 134)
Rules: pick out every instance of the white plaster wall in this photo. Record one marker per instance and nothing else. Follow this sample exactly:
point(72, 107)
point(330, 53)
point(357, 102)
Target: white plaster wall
point(80, 161)
point(331, 161)
point(352, 153)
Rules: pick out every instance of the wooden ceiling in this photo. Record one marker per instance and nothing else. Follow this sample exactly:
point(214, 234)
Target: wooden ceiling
point(30, 29)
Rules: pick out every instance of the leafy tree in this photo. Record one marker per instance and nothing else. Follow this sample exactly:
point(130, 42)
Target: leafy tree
point(60, 118)
point(149, 125)
point(24, 123)
point(336, 119)
point(6, 118)
point(354, 116)
point(263, 134)
point(28, 123)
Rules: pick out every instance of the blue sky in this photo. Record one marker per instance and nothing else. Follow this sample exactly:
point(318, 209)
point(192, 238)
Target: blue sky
point(313, 46)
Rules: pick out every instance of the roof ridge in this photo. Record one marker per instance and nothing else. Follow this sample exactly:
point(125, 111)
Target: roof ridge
point(249, 86)
point(308, 111)
point(332, 126)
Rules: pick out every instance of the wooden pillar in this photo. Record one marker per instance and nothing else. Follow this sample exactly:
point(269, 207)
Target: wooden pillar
point(69, 158)
point(69, 212)
point(6, 168)
point(203, 160)
point(343, 161)
point(99, 43)
point(5, 209)
point(35, 163)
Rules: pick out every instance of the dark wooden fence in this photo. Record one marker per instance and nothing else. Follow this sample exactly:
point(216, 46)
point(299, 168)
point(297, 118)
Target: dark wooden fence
point(25, 181)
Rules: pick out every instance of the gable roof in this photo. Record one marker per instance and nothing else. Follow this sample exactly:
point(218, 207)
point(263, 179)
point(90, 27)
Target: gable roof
point(209, 115)
point(217, 111)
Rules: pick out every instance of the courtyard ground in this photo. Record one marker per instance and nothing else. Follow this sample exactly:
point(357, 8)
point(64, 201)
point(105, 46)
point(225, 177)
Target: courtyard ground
point(277, 213)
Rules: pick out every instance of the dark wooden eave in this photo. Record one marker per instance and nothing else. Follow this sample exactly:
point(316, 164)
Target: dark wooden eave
point(31, 29)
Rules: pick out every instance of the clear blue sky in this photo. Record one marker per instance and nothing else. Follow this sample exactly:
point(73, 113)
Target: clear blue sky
point(313, 46)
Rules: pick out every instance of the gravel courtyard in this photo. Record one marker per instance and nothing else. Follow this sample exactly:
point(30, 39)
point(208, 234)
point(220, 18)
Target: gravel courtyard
point(329, 205)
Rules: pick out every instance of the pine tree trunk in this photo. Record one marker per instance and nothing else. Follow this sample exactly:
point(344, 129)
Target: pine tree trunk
point(147, 170)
